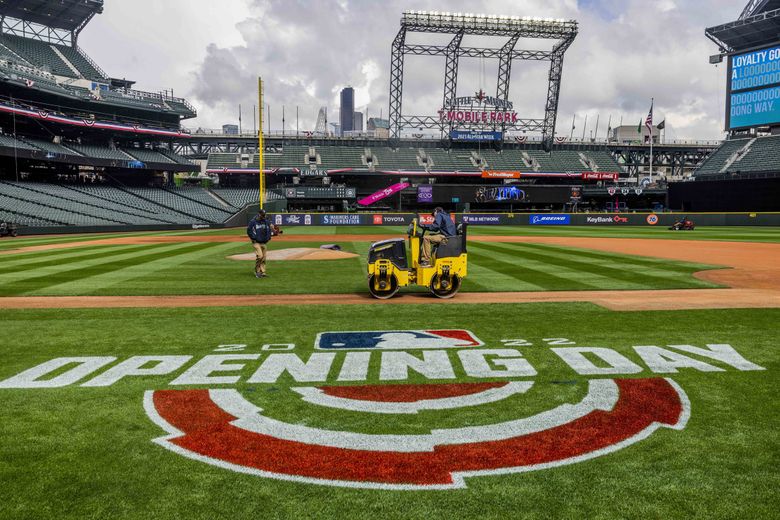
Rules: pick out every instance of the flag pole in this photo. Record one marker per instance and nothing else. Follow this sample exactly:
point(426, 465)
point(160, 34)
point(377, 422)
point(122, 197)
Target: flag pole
point(652, 102)
point(260, 146)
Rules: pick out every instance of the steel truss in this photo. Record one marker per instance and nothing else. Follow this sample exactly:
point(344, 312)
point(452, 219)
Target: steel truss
point(513, 28)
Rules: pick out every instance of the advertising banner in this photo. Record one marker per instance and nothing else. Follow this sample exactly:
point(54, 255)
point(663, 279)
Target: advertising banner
point(342, 220)
point(475, 219)
point(475, 135)
point(549, 220)
point(382, 194)
point(425, 193)
point(492, 174)
point(600, 176)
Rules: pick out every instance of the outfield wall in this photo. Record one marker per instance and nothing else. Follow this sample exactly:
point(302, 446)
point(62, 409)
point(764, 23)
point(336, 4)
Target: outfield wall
point(604, 220)
point(533, 219)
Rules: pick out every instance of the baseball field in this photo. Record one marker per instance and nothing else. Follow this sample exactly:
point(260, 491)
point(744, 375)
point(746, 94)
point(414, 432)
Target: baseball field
point(580, 373)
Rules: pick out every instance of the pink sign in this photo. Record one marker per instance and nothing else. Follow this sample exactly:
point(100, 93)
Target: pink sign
point(381, 194)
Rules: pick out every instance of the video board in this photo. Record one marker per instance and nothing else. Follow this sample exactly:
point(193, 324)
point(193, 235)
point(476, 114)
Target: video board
point(753, 89)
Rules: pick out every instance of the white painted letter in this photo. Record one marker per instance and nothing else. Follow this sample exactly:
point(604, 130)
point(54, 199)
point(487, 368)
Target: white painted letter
point(475, 364)
point(618, 363)
point(355, 367)
point(200, 372)
point(316, 369)
point(134, 367)
point(434, 365)
point(663, 361)
point(721, 352)
point(29, 378)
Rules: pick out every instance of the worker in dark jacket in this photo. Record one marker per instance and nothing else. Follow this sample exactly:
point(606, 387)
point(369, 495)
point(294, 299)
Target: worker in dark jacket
point(259, 232)
point(438, 232)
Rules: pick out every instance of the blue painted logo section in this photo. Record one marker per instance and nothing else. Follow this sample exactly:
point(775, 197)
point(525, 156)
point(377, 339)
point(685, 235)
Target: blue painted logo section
point(396, 340)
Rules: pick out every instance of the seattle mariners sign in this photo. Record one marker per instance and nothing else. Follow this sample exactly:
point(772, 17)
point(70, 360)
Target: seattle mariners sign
point(213, 422)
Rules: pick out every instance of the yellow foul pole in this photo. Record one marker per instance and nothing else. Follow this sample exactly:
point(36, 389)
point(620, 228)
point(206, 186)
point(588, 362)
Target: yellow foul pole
point(260, 147)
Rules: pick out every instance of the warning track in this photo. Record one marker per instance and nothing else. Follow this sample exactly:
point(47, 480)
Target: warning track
point(751, 273)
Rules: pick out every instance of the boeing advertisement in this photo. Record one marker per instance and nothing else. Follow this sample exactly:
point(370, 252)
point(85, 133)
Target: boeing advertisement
point(754, 89)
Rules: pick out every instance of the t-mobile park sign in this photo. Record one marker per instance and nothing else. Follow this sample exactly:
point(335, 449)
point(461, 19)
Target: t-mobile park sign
point(479, 108)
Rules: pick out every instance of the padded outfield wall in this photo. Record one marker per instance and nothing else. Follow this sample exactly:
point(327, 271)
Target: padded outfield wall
point(605, 220)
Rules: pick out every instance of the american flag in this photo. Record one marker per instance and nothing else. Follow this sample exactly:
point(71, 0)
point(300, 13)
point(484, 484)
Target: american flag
point(649, 120)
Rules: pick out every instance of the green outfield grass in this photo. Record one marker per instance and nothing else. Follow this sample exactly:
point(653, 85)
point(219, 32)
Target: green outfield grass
point(78, 452)
point(202, 268)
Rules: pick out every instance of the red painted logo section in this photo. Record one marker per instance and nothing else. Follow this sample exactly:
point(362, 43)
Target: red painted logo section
point(204, 431)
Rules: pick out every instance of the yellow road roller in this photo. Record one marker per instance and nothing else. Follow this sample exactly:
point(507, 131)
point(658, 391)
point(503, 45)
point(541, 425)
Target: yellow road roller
point(389, 269)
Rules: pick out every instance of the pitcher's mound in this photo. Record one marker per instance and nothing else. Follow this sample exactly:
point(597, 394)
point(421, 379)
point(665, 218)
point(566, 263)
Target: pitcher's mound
point(298, 253)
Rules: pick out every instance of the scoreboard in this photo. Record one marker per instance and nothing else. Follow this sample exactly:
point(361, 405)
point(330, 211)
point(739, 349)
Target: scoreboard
point(753, 89)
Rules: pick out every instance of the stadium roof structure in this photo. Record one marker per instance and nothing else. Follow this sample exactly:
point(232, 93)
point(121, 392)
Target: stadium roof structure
point(512, 28)
point(70, 15)
point(759, 25)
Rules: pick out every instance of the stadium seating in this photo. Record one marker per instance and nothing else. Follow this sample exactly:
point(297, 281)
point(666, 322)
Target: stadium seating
point(81, 62)
point(241, 197)
point(34, 201)
point(38, 53)
point(762, 155)
point(148, 156)
point(438, 159)
point(604, 161)
point(333, 157)
point(717, 160)
point(50, 147)
point(201, 212)
point(178, 159)
point(10, 142)
point(115, 197)
point(100, 152)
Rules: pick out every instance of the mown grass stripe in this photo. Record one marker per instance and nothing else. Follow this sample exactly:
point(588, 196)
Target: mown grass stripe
point(526, 274)
point(512, 257)
point(24, 285)
point(62, 257)
point(656, 269)
point(666, 264)
point(99, 282)
point(630, 278)
point(482, 277)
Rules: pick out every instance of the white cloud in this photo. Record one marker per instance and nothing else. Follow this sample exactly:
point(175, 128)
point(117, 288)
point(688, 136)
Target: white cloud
point(307, 50)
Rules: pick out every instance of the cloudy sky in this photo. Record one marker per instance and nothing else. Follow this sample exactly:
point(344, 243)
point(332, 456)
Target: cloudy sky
point(212, 52)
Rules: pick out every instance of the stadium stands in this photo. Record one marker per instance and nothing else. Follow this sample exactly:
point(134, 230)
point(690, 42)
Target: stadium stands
point(38, 53)
point(738, 156)
point(421, 159)
point(10, 142)
point(100, 152)
point(145, 155)
point(45, 205)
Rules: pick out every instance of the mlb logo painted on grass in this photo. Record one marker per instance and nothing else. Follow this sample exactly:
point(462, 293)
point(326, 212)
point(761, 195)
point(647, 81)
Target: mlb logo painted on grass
point(396, 340)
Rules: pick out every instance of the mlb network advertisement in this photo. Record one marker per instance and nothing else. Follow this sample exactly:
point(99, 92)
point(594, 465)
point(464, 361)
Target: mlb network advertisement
point(754, 89)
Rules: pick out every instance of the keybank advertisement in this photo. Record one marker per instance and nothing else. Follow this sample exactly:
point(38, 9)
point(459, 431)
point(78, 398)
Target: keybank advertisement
point(758, 107)
point(755, 69)
point(549, 220)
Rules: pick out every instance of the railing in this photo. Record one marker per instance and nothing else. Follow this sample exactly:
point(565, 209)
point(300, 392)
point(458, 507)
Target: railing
point(91, 62)
point(154, 96)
